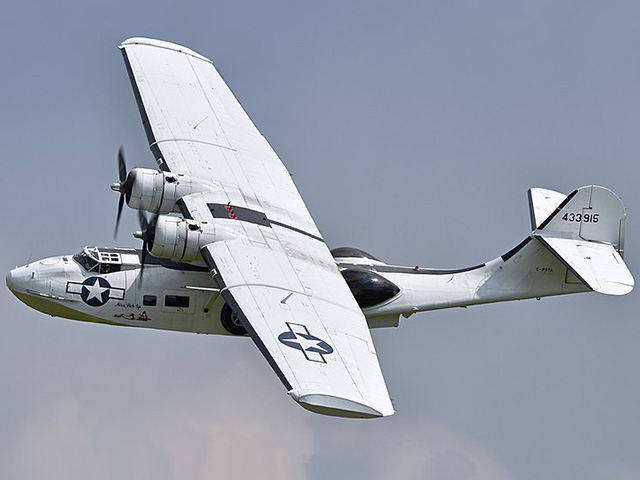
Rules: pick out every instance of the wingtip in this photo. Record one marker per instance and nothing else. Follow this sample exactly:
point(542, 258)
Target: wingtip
point(614, 288)
point(338, 406)
point(152, 42)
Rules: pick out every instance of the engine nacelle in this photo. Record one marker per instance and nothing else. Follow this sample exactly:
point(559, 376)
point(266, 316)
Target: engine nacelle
point(158, 192)
point(178, 239)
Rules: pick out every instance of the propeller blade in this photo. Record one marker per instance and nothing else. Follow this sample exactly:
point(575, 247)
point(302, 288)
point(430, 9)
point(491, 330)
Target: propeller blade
point(122, 187)
point(142, 220)
point(122, 166)
point(152, 226)
point(144, 257)
point(147, 228)
point(120, 205)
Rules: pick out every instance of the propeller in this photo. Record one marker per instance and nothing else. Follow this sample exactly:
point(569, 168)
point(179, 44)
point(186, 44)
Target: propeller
point(124, 187)
point(146, 234)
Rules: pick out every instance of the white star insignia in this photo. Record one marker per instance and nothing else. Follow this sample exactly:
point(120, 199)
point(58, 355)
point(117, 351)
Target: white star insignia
point(95, 290)
point(306, 344)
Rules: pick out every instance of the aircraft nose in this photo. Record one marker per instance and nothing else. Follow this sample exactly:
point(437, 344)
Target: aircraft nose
point(18, 278)
point(9, 280)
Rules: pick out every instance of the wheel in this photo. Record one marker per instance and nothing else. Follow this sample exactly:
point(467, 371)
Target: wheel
point(231, 322)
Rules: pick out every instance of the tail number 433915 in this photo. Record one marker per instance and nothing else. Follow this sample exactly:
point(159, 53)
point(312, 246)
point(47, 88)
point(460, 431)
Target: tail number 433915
point(581, 217)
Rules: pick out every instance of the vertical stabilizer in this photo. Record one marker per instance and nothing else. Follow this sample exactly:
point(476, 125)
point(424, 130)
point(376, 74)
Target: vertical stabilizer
point(586, 233)
point(542, 203)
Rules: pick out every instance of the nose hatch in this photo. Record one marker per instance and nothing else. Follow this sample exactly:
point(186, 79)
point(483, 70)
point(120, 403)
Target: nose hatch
point(27, 284)
point(10, 281)
point(19, 278)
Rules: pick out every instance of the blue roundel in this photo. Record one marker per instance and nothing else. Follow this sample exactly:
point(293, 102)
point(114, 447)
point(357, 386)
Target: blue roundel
point(95, 291)
point(290, 339)
point(313, 348)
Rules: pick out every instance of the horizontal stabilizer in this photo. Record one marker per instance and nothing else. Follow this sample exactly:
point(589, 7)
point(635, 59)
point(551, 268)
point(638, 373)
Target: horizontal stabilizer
point(598, 265)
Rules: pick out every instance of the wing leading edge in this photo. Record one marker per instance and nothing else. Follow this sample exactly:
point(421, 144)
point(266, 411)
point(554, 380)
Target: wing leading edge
point(274, 270)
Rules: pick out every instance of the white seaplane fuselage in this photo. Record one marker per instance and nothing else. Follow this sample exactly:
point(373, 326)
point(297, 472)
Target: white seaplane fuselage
point(105, 285)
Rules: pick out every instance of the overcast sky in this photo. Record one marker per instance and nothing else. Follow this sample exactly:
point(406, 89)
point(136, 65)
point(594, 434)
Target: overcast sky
point(413, 131)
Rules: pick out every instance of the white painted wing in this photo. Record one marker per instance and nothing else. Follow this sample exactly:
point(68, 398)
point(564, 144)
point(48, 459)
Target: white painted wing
point(312, 334)
point(277, 273)
point(195, 126)
point(598, 265)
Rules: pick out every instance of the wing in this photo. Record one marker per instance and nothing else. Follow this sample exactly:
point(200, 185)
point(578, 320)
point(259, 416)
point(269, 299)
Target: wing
point(195, 126)
point(312, 334)
point(275, 270)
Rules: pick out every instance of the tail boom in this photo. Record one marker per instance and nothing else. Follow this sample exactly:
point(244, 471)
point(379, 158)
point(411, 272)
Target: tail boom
point(576, 246)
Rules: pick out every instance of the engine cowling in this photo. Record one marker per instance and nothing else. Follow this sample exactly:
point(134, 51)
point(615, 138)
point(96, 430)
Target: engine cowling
point(158, 192)
point(178, 239)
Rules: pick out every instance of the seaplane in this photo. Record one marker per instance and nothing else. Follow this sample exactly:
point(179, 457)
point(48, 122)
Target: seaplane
point(229, 248)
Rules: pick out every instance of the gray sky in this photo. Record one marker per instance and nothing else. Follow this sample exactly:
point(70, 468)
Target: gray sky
point(413, 131)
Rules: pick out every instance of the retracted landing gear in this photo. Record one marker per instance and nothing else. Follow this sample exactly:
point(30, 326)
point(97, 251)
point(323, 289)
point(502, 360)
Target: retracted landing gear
point(231, 322)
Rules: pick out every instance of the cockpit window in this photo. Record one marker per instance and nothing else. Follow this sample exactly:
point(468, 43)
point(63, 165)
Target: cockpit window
point(109, 257)
point(86, 262)
point(107, 263)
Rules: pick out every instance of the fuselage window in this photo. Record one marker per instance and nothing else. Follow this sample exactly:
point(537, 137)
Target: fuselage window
point(176, 301)
point(109, 268)
point(150, 300)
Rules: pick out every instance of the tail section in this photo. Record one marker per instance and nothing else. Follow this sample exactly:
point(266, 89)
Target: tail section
point(591, 213)
point(576, 246)
point(586, 233)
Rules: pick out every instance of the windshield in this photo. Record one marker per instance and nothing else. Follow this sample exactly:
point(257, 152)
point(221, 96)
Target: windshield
point(85, 261)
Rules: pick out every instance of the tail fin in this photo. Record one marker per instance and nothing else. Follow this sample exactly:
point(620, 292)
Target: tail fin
point(542, 203)
point(586, 233)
